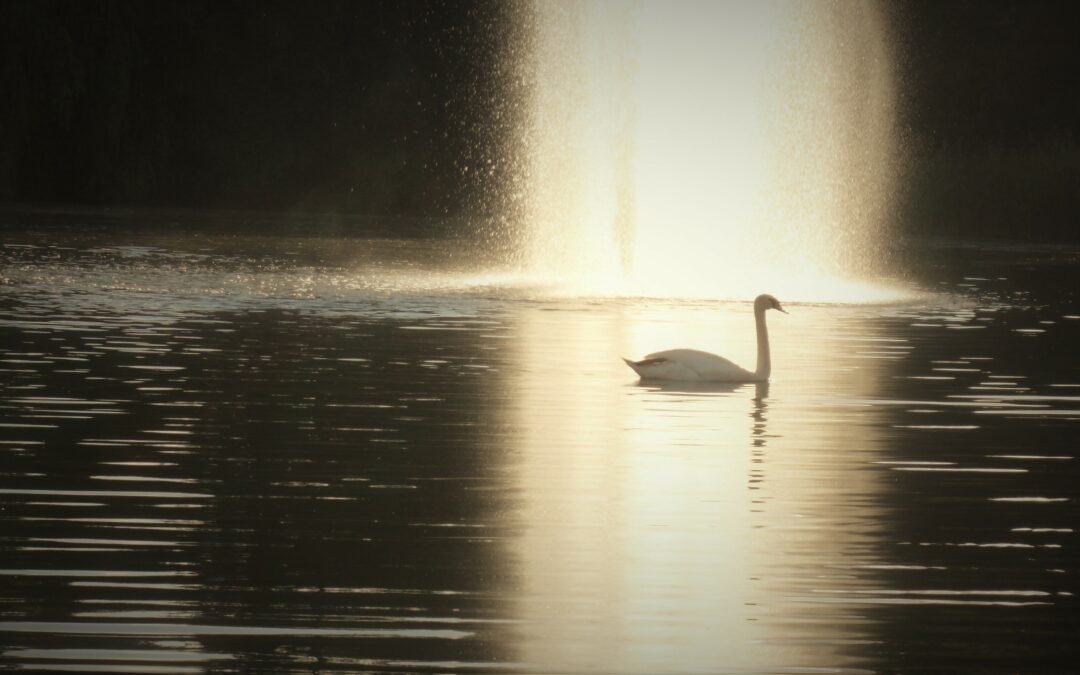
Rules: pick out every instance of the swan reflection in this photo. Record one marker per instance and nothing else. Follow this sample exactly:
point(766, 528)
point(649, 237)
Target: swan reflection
point(760, 389)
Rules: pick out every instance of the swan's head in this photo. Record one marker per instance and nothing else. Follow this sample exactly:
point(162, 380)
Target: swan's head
point(766, 301)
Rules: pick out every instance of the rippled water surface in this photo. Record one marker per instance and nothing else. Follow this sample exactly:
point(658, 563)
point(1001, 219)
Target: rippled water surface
point(318, 454)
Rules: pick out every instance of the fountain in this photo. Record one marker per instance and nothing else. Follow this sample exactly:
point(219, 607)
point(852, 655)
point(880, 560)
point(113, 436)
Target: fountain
point(705, 149)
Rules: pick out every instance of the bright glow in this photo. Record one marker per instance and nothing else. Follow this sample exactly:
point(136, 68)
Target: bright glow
point(679, 528)
point(709, 149)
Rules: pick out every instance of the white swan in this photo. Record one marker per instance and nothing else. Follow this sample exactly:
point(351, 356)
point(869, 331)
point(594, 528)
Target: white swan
point(691, 365)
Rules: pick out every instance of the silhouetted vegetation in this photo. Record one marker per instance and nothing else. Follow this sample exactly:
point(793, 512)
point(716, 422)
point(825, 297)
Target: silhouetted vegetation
point(992, 116)
point(340, 105)
point(387, 107)
point(1027, 191)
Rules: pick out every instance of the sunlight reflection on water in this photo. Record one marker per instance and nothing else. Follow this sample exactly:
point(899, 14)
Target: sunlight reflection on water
point(653, 511)
point(245, 462)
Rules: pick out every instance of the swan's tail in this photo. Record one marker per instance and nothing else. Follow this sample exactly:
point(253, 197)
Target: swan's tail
point(640, 367)
point(633, 365)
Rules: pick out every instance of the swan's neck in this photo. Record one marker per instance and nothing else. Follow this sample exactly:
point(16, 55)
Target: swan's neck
point(764, 362)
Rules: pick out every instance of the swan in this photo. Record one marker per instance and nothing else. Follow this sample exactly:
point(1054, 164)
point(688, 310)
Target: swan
point(692, 365)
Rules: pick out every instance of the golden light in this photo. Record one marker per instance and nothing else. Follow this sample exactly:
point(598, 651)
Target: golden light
point(709, 149)
point(648, 516)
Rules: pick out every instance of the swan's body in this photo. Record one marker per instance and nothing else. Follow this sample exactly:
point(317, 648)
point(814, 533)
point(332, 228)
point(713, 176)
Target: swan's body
point(691, 365)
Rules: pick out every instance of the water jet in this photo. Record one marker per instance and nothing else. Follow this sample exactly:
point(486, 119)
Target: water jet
point(706, 149)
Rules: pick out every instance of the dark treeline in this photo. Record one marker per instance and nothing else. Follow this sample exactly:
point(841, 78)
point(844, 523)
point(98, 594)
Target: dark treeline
point(991, 112)
point(381, 106)
point(336, 105)
point(979, 73)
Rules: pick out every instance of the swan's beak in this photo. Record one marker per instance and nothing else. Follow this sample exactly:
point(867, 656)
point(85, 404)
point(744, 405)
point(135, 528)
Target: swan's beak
point(781, 309)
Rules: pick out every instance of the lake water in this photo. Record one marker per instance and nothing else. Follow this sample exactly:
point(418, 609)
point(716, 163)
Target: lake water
point(276, 453)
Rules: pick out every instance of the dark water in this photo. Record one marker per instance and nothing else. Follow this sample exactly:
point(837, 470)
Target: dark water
point(282, 454)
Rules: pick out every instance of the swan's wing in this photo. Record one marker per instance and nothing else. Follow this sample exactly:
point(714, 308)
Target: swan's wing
point(652, 368)
point(689, 356)
point(688, 365)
